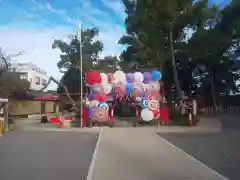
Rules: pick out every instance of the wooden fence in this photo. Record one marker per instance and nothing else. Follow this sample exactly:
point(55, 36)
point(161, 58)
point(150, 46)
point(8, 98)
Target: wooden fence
point(18, 108)
point(230, 110)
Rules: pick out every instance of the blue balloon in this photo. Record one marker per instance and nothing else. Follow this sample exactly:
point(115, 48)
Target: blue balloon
point(129, 88)
point(156, 75)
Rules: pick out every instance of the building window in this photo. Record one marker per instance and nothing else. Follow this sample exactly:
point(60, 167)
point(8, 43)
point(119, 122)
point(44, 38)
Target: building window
point(24, 76)
point(44, 82)
point(37, 79)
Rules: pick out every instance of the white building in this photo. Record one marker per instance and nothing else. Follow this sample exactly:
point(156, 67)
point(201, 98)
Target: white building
point(29, 71)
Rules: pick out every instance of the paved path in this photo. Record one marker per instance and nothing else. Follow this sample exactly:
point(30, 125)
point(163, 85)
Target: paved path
point(137, 154)
point(219, 151)
point(36, 155)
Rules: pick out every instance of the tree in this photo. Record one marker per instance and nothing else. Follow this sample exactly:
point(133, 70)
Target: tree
point(10, 82)
point(70, 57)
point(215, 59)
point(107, 64)
point(157, 32)
point(155, 27)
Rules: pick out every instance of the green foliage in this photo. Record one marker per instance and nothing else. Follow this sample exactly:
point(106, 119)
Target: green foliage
point(70, 57)
point(10, 82)
point(107, 64)
point(202, 61)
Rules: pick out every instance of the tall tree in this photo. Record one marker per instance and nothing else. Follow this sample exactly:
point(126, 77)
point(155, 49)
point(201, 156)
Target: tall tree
point(70, 57)
point(155, 27)
point(158, 32)
point(107, 64)
point(10, 82)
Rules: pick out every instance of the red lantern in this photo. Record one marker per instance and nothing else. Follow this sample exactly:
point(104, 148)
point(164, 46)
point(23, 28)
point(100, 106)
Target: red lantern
point(93, 78)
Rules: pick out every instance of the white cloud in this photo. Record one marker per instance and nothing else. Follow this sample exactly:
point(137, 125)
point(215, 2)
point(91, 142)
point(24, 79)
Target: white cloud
point(37, 43)
point(117, 6)
point(54, 10)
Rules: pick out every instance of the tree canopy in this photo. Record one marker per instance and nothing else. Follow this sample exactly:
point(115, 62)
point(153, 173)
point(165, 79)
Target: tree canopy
point(192, 43)
point(10, 82)
point(70, 59)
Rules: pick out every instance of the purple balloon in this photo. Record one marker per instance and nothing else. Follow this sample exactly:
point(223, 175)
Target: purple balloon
point(91, 96)
point(147, 77)
point(129, 77)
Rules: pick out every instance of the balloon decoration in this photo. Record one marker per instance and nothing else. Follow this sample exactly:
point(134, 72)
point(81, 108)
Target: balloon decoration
point(147, 115)
point(154, 86)
point(129, 77)
point(93, 104)
point(156, 75)
point(110, 78)
point(104, 106)
point(143, 88)
point(119, 76)
point(153, 105)
point(129, 88)
point(93, 77)
point(104, 78)
point(101, 97)
point(144, 102)
point(100, 115)
point(147, 77)
point(91, 96)
point(107, 88)
point(138, 77)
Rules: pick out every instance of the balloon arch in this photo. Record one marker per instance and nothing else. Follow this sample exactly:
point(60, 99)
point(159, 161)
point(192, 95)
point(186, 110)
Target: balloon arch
point(140, 88)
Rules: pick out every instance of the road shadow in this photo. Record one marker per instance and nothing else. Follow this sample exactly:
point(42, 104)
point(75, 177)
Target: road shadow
point(230, 122)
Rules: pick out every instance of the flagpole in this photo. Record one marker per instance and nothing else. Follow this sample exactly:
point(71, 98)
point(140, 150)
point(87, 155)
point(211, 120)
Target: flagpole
point(79, 34)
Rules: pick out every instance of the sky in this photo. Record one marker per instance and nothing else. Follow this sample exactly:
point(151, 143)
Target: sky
point(30, 26)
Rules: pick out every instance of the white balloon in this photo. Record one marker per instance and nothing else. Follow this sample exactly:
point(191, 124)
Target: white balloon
point(104, 78)
point(138, 98)
point(154, 86)
point(93, 103)
point(119, 76)
point(97, 88)
point(107, 88)
point(137, 86)
point(147, 115)
point(145, 86)
point(138, 77)
point(87, 102)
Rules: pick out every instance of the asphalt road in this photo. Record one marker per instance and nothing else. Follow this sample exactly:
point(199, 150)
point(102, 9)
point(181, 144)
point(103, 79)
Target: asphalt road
point(46, 155)
point(220, 151)
point(230, 123)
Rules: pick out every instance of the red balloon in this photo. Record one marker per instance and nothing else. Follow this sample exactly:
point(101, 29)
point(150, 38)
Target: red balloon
point(93, 78)
point(156, 114)
point(155, 95)
point(101, 97)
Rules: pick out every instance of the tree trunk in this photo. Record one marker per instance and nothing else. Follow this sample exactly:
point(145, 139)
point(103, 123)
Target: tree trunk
point(213, 95)
point(175, 73)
